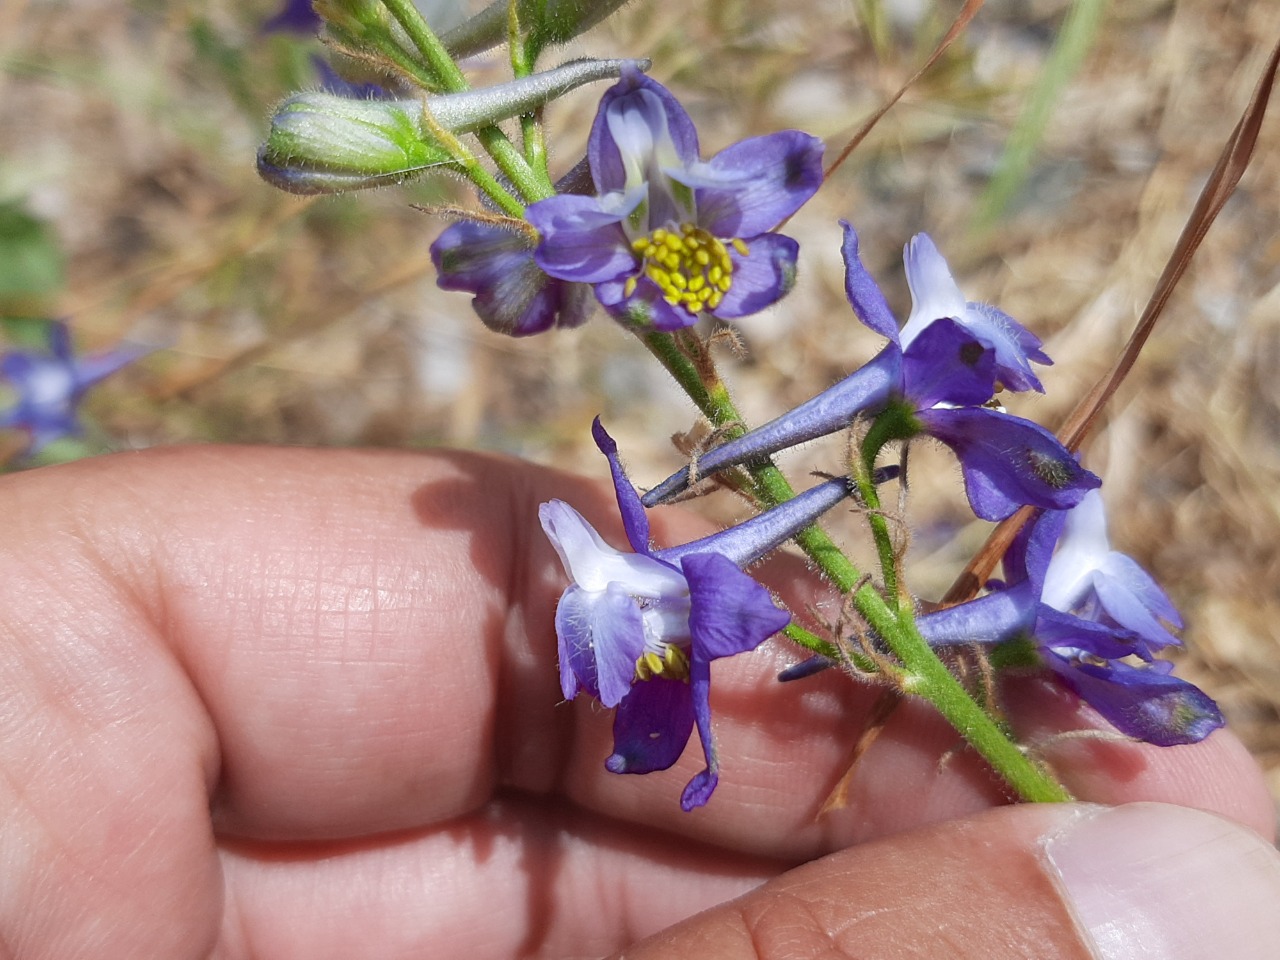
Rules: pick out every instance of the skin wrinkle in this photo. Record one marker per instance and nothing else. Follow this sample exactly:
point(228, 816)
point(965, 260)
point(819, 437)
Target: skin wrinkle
point(648, 821)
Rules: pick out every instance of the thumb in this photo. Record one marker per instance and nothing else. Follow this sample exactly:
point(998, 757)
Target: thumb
point(1144, 880)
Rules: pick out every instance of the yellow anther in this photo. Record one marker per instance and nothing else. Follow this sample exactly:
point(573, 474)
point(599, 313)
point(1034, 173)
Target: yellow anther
point(690, 267)
point(740, 245)
point(672, 663)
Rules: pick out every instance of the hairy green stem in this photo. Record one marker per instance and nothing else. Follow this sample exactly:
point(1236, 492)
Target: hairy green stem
point(450, 79)
point(922, 673)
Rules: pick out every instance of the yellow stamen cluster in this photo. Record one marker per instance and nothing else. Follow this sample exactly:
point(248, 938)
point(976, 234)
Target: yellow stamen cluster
point(690, 266)
point(672, 664)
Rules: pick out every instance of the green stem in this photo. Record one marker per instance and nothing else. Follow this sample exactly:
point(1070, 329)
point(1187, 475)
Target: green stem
point(892, 424)
point(923, 674)
point(496, 143)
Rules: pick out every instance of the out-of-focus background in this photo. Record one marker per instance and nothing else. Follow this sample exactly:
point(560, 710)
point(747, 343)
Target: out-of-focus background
point(1054, 173)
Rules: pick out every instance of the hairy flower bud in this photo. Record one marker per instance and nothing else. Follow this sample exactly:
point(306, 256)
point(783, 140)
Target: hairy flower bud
point(323, 143)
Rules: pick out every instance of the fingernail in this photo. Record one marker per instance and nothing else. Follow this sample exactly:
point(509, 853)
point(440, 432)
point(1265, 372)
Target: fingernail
point(1150, 880)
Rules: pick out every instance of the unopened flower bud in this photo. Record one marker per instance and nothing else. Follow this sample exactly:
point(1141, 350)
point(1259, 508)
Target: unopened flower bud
point(323, 143)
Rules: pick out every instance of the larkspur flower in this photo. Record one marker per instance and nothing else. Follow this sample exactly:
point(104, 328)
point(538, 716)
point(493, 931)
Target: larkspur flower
point(669, 237)
point(1088, 609)
point(49, 387)
point(938, 372)
point(639, 630)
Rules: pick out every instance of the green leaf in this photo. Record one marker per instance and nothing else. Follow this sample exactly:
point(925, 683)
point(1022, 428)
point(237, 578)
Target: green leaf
point(31, 261)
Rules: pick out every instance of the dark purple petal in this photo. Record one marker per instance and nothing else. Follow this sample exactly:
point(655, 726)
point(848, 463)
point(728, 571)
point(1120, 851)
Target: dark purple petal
point(1008, 461)
point(747, 542)
point(573, 633)
point(761, 278)
point(763, 180)
point(634, 520)
point(729, 612)
point(698, 790)
point(581, 241)
point(645, 308)
point(512, 294)
point(651, 726)
point(644, 104)
point(866, 390)
point(945, 364)
point(997, 617)
point(1143, 702)
point(617, 633)
point(865, 295)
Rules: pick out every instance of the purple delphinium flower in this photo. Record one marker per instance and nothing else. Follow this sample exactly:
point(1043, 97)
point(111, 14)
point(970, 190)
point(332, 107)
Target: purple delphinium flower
point(50, 386)
point(638, 631)
point(939, 377)
point(668, 236)
point(1088, 608)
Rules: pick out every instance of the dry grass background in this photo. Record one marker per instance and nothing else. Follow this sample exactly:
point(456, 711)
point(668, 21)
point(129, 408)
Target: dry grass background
point(131, 129)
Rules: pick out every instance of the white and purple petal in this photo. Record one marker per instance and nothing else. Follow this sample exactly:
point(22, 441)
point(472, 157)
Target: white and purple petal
point(643, 113)
point(576, 647)
point(934, 293)
point(1016, 347)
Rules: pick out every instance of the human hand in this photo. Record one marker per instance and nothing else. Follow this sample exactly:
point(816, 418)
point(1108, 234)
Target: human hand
point(288, 703)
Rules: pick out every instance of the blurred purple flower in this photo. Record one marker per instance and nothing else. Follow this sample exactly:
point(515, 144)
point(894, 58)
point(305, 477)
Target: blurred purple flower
point(939, 378)
point(50, 386)
point(296, 16)
point(668, 236)
point(638, 631)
